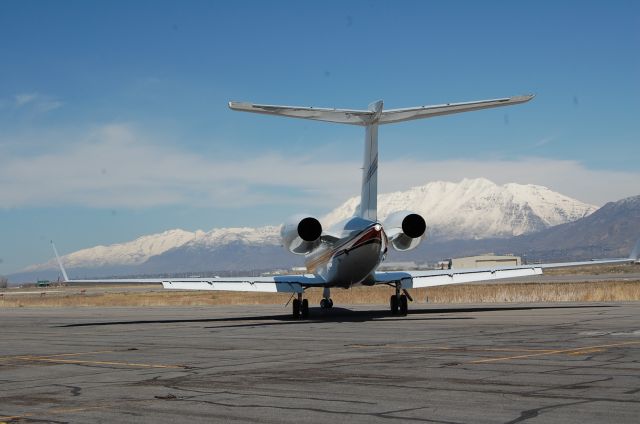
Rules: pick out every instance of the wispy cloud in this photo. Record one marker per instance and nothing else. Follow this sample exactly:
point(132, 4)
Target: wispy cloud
point(48, 105)
point(36, 102)
point(23, 99)
point(117, 167)
point(544, 141)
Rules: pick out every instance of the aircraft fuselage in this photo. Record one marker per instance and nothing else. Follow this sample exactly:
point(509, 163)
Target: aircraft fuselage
point(353, 258)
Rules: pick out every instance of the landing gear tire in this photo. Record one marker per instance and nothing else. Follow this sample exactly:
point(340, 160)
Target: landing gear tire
point(403, 306)
point(393, 304)
point(326, 303)
point(296, 309)
point(304, 310)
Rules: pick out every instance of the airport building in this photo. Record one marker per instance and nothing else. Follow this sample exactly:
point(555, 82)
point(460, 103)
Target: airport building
point(481, 261)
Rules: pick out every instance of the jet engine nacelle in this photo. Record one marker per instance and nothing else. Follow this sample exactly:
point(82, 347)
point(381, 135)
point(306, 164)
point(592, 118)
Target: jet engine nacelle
point(301, 234)
point(405, 230)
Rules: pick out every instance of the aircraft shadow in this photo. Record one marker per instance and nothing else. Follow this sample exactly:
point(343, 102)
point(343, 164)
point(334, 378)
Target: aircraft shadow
point(317, 315)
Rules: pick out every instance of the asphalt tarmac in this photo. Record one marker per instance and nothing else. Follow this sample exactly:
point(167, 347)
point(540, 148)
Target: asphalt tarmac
point(569, 363)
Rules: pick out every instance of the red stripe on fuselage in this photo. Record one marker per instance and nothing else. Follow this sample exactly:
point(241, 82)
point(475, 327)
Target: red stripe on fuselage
point(369, 235)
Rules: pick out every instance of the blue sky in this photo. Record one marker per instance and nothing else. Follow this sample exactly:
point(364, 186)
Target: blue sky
point(114, 119)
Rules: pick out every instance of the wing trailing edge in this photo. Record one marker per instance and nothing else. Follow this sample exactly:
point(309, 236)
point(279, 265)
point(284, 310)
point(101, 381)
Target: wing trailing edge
point(433, 278)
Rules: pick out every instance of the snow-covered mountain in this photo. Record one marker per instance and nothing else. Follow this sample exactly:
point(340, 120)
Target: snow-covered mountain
point(470, 209)
point(476, 208)
point(130, 253)
point(140, 250)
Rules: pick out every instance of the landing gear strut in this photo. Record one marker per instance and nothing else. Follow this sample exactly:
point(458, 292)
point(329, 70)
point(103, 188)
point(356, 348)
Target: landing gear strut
point(326, 302)
point(300, 307)
point(398, 303)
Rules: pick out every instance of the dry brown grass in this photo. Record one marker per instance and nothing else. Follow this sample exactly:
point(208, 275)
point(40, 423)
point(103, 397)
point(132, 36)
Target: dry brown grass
point(605, 291)
point(595, 270)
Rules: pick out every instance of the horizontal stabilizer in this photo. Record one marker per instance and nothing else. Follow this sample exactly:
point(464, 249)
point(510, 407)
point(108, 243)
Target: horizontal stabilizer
point(408, 114)
point(375, 115)
point(342, 116)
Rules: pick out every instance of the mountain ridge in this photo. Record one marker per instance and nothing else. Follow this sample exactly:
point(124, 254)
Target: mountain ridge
point(470, 209)
point(484, 209)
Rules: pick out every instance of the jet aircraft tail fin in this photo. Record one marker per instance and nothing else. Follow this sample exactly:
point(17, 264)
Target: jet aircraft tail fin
point(370, 119)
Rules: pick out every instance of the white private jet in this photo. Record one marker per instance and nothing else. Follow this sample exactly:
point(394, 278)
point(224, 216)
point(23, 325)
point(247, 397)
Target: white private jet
point(349, 254)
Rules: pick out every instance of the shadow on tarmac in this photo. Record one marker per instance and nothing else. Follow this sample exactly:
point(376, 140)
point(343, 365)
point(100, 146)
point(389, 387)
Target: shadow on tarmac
point(318, 315)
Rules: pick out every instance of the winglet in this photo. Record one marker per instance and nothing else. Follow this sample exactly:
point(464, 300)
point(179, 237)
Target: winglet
point(635, 253)
point(64, 273)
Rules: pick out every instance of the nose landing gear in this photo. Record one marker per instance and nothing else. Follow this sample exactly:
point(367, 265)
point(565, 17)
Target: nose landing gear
point(326, 302)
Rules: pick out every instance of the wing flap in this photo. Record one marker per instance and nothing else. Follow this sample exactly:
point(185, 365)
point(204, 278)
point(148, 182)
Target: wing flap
point(273, 284)
point(240, 286)
point(419, 279)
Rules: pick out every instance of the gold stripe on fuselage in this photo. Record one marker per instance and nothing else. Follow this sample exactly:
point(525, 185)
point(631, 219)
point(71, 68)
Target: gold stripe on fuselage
point(370, 233)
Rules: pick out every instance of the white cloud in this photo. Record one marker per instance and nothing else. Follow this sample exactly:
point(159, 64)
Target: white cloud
point(115, 167)
point(544, 141)
point(48, 105)
point(565, 176)
point(36, 102)
point(23, 99)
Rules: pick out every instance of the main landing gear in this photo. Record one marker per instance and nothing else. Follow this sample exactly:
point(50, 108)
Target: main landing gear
point(300, 307)
point(399, 303)
point(326, 302)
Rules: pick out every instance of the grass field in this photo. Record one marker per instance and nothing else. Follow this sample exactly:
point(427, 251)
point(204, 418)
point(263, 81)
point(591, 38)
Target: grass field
point(467, 293)
point(595, 270)
point(126, 296)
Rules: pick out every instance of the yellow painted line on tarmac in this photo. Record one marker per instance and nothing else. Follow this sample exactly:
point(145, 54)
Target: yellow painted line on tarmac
point(77, 409)
point(57, 359)
point(447, 348)
point(574, 351)
point(3, 420)
point(81, 362)
point(8, 358)
point(54, 411)
point(583, 352)
point(74, 354)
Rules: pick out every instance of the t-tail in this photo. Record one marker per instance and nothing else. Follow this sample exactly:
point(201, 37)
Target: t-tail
point(371, 119)
point(369, 190)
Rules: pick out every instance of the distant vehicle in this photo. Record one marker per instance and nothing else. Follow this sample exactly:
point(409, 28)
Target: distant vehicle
point(350, 253)
point(43, 283)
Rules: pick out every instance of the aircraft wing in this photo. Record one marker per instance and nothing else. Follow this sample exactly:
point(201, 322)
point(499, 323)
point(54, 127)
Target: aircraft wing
point(432, 278)
point(273, 284)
